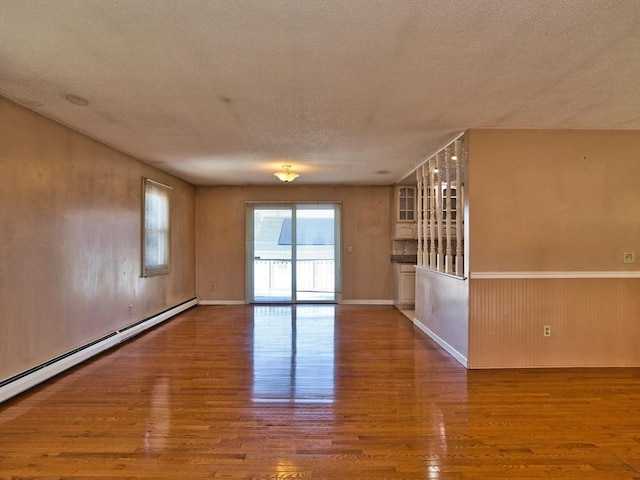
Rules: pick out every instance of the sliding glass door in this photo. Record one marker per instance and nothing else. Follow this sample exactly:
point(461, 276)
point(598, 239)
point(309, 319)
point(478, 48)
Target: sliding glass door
point(271, 257)
point(293, 252)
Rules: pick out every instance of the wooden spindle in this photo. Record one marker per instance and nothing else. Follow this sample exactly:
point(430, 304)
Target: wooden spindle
point(419, 213)
point(439, 215)
point(448, 254)
point(459, 209)
point(432, 215)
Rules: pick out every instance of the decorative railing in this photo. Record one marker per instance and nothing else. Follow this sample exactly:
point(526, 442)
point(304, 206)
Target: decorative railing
point(441, 189)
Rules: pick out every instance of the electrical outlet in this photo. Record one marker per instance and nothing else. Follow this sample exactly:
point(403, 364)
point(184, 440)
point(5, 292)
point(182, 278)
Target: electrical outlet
point(547, 331)
point(628, 257)
point(130, 308)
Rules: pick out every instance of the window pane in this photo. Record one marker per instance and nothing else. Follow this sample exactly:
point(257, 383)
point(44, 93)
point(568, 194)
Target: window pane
point(156, 223)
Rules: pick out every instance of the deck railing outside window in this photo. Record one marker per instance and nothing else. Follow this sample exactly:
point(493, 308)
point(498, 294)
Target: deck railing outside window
point(312, 275)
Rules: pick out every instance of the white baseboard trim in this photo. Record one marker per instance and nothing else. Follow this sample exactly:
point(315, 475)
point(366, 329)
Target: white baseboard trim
point(340, 302)
point(222, 302)
point(448, 348)
point(606, 274)
point(365, 302)
point(21, 382)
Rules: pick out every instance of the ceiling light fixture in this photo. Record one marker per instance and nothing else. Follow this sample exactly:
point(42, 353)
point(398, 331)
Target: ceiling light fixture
point(286, 175)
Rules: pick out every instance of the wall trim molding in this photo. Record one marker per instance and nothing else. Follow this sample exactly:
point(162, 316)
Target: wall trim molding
point(601, 274)
point(422, 268)
point(436, 338)
point(16, 384)
point(365, 302)
point(222, 302)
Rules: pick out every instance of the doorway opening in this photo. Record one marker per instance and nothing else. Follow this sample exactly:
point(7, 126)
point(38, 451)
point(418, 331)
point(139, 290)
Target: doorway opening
point(293, 253)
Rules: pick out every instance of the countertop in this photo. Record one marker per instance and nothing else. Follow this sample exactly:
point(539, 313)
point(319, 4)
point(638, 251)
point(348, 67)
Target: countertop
point(412, 259)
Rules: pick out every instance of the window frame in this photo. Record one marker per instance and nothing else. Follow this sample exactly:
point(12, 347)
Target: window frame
point(149, 188)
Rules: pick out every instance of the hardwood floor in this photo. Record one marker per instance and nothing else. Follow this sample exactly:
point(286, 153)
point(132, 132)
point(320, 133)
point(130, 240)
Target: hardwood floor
point(316, 392)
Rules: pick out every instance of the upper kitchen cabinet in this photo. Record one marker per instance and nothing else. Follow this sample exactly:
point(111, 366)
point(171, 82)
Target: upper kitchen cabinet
point(406, 204)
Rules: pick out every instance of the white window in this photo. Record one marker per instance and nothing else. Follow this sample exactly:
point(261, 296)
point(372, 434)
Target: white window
point(156, 228)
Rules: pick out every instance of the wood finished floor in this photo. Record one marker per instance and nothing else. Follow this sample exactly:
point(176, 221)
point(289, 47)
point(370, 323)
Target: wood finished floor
point(316, 392)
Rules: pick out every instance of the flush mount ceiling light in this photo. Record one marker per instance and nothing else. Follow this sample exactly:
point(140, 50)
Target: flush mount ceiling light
point(286, 175)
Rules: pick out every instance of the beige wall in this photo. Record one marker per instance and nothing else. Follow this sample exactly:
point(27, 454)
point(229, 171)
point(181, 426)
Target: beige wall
point(70, 240)
point(220, 238)
point(554, 203)
point(442, 306)
point(553, 200)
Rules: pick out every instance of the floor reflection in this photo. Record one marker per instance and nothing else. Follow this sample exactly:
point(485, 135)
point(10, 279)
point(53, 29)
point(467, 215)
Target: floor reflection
point(159, 418)
point(294, 353)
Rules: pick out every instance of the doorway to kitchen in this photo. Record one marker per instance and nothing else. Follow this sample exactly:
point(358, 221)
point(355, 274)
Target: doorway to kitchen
point(293, 253)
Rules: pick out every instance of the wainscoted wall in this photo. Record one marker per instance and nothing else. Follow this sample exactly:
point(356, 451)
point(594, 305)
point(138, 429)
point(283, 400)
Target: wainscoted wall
point(595, 322)
point(367, 274)
point(70, 240)
point(442, 311)
point(541, 204)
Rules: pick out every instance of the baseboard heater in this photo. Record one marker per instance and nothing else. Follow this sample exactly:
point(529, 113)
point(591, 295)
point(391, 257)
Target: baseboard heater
point(23, 381)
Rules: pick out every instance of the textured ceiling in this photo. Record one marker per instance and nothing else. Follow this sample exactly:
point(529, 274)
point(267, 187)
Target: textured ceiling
point(346, 91)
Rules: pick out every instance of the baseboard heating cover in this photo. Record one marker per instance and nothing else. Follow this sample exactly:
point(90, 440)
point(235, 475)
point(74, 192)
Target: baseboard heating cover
point(23, 381)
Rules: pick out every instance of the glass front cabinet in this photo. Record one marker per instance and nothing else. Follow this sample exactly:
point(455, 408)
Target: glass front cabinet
point(406, 204)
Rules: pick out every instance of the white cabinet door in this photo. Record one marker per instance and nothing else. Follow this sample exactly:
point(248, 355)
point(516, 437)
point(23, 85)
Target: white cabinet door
point(403, 231)
point(407, 287)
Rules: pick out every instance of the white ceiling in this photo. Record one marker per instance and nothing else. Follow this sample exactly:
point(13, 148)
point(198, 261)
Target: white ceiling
point(346, 91)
